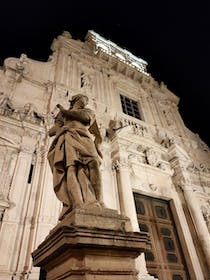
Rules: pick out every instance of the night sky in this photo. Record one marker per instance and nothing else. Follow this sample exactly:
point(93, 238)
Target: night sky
point(172, 36)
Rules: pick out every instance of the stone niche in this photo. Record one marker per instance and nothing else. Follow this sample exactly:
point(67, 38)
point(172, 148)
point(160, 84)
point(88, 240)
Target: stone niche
point(91, 243)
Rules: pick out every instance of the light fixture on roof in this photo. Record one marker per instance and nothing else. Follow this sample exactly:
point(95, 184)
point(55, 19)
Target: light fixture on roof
point(114, 50)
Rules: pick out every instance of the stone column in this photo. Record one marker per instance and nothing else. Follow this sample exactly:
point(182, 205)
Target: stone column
point(76, 78)
point(128, 208)
point(47, 209)
point(153, 110)
point(198, 219)
point(185, 234)
point(14, 217)
point(184, 191)
point(29, 232)
point(109, 185)
point(125, 191)
point(62, 63)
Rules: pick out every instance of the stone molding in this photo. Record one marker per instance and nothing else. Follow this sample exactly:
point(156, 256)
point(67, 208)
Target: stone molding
point(98, 240)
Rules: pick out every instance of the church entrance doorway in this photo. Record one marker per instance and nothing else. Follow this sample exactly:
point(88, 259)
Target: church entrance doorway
point(165, 259)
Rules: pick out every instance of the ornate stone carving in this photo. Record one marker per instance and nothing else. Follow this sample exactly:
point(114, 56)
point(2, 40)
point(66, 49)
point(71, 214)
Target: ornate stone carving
point(204, 168)
point(140, 130)
point(197, 168)
point(114, 125)
point(153, 187)
point(118, 124)
point(30, 113)
point(120, 163)
point(169, 118)
point(6, 106)
point(178, 187)
point(7, 165)
point(202, 145)
point(204, 183)
point(22, 63)
point(205, 208)
point(86, 81)
point(151, 157)
point(163, 139)
point(22, 67)
point(67, 34)
point(182, 183)
point(192, 168)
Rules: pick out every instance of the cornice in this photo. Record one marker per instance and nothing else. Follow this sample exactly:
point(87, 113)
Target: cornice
point(100, 44)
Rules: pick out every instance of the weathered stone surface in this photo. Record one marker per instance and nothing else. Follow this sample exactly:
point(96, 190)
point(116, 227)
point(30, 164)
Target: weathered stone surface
point(74, 250)
point(96, 217)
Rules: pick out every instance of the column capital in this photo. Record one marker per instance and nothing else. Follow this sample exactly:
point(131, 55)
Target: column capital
point(120, 164)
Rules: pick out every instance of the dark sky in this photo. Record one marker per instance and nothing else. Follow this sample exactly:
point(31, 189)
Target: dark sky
point(172, 36)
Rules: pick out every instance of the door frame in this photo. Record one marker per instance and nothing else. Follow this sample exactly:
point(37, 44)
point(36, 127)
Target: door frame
point(179, 229)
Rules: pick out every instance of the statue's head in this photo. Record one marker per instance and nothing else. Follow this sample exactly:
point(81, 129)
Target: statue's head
point(27, 107)
point(79, 98)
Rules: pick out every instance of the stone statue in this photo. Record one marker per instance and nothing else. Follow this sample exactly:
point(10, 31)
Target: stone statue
point(86, 81)
point(5, 102)
point(151, 157)
point(30, 113)
point(74, 156)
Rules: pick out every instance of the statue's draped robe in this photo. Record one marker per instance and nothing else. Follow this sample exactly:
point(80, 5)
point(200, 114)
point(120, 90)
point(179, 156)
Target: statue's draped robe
point(73, 145)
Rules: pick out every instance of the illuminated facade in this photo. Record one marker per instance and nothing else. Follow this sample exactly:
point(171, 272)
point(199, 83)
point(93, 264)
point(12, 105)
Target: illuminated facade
point(155, 170)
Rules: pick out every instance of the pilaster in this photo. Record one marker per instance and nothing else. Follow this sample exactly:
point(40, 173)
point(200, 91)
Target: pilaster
point(148, 117)
point(109, 184)
point(198, 219)
point(187, 192)
point(14, 217)
point(125, 191)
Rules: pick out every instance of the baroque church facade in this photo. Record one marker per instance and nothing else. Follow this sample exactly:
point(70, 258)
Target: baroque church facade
point(154, 170)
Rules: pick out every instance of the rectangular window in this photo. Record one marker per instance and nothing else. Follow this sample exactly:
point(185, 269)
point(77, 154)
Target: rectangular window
point(130, 107)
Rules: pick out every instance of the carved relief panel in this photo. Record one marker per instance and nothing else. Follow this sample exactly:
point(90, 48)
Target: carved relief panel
point(8, 157)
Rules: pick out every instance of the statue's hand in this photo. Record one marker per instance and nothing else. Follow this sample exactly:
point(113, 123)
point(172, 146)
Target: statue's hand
point(59, 106)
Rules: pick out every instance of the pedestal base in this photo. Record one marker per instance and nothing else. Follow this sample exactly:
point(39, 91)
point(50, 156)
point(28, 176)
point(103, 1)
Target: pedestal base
point(88, 252)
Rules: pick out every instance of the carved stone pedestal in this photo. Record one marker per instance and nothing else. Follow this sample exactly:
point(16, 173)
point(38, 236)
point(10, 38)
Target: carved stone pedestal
point(91, 244)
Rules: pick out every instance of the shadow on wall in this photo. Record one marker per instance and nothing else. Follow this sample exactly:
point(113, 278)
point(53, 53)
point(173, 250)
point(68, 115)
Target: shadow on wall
point(43, 274)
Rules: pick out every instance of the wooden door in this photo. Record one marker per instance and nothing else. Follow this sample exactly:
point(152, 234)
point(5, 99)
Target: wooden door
point(165, 260)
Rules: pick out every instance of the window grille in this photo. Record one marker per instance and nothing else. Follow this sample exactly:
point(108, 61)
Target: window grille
point(130, 107)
